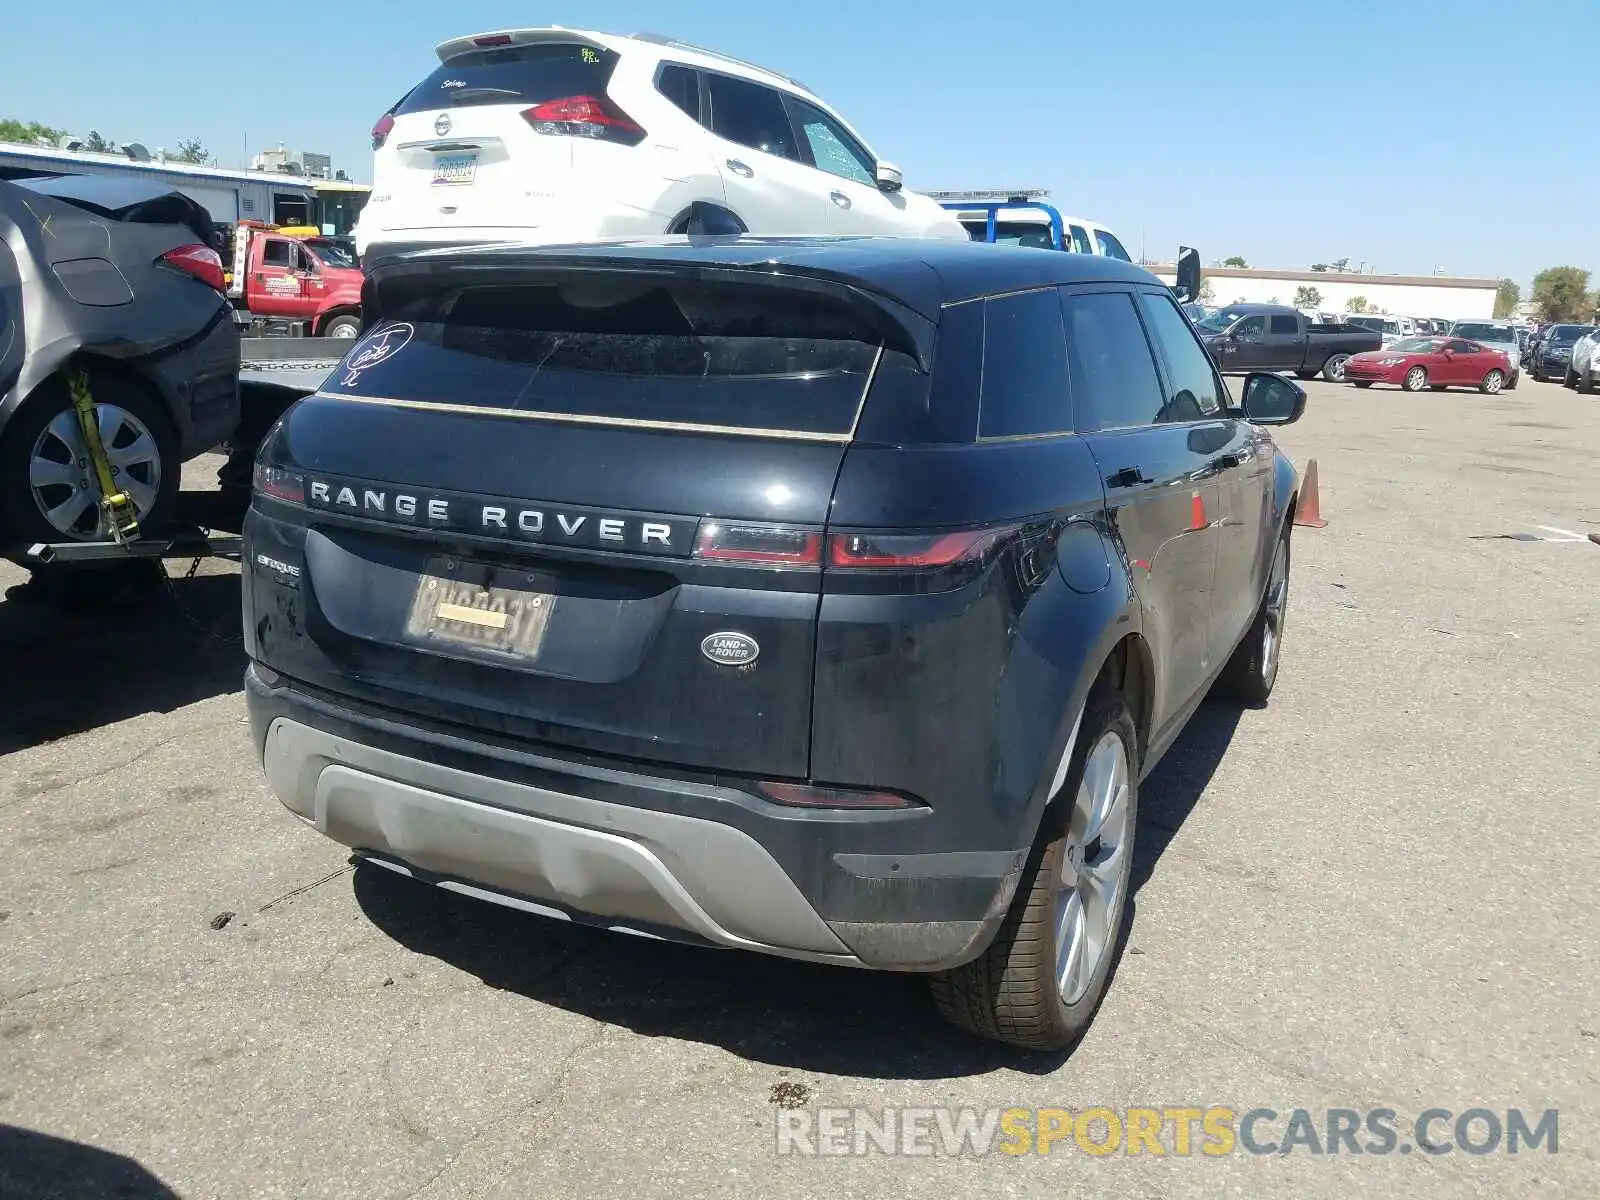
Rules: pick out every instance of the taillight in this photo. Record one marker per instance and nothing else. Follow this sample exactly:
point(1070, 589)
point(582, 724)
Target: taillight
point(759, 544)
point(804, 795)
point(199, 262)
point(381, 131)
point(911, 551)
point(584, 116)
point(280, 483)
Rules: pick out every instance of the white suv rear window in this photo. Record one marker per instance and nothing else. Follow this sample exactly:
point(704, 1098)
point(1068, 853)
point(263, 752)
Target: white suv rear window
point(513, 75)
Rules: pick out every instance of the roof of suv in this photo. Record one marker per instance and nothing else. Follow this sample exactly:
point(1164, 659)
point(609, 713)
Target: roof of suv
point(922, 274)
point(656, 44)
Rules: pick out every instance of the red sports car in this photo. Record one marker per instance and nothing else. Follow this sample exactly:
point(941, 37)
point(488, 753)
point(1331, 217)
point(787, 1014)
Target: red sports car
point(1431, 362)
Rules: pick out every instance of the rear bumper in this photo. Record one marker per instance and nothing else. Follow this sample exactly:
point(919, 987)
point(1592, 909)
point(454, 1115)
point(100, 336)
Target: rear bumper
point(605, 844)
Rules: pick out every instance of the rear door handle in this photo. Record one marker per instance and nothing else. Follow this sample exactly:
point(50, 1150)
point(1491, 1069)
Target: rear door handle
point(1126, 478)
point(739, 168)
point(840, 199)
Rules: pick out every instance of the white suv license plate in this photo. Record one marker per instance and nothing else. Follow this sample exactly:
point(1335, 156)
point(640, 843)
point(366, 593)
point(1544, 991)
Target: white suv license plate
point(453, 170)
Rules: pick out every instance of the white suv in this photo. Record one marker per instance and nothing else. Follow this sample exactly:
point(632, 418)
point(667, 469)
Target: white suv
point(560, 135)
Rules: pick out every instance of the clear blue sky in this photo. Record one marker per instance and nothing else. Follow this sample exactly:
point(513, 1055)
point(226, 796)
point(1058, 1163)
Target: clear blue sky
point(1289, 131)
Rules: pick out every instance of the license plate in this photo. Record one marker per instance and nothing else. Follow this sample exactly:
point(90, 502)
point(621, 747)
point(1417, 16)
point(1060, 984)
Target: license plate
point(454, 169)
point(477, 606)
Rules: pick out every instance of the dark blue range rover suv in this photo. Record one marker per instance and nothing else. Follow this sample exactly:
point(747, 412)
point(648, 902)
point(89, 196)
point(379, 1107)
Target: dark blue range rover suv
point(828, 598)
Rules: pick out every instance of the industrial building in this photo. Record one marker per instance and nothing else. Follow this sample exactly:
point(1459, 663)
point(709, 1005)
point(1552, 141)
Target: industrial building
point(1451, 297)
point(229, 196)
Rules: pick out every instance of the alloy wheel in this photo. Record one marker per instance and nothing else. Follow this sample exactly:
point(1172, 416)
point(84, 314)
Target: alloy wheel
point(62, 478)
point(1094, 868)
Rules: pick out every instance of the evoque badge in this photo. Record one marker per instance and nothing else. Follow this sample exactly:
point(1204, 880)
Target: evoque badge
point(730, 649)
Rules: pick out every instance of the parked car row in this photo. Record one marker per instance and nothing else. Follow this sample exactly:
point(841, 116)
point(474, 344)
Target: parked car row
point(1553, 349)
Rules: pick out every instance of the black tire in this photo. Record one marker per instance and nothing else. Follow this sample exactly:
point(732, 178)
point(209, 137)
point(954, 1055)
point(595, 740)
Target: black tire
point(1252, 671)
point(1307, 374)
point(1570, 379)
point(20, 516)
point(345, 325)
point(1362, 383)
point(1009, 993)
point(1416, 379)
point(1516, 378)
point(1538, 373)
point(1586, 383)
point(1492, 382)
point(1333, 367)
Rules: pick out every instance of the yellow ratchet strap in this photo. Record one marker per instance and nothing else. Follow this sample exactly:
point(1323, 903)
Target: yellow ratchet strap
point(121, 518)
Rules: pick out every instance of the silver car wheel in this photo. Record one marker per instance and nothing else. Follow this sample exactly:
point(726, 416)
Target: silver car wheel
point(1094, 868)
point(63, 480)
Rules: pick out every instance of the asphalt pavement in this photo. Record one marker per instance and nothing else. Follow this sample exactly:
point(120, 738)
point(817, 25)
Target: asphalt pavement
point(1378, 891)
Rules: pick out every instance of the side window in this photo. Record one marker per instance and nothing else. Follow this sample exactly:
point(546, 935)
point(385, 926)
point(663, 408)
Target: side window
point(304, 260)
point(1284, 323)
point(681, 85)
point(832, 149)
point(1109, 246)
point(1250, 329)
point(1196, 390)
point(276, 253)
point(1024, 368)
point(1461, 347)
point(1114, 380)
point(751, 115)
point(1079, 239)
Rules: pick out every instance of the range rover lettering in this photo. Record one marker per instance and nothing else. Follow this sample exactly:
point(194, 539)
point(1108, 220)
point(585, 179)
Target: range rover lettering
point(823, 598)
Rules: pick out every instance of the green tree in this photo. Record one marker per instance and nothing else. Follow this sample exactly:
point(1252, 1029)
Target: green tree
point(1319, 266)
point(1306, 296)
point(192, 150)
point(1341, 264)
point(1506, 297)
point(1235, 261)
point(27, 132)
point(1562, 294)
point(1356, 304)
point(95, 142)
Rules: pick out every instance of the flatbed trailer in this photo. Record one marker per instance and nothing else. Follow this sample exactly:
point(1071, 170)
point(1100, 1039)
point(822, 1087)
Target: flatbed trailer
point(274, 372)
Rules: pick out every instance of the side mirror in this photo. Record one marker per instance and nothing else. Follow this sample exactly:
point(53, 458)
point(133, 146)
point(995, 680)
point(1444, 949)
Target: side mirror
point(1273, 400)
point(1187, 284)
point(889, 178)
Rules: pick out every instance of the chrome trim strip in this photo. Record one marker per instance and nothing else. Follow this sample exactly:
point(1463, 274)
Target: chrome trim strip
point(838, 439)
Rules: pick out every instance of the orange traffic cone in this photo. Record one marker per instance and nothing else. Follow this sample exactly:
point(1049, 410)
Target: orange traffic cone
point(1309, 511)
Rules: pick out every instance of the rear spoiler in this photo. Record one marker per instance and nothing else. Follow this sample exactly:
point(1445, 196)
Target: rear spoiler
point(394, 275)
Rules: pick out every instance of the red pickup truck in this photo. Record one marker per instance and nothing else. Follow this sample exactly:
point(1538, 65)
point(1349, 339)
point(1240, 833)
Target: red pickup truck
point(281, 278)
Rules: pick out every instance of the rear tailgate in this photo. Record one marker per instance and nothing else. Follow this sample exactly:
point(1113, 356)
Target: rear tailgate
point(467, 148)
point(610, 472)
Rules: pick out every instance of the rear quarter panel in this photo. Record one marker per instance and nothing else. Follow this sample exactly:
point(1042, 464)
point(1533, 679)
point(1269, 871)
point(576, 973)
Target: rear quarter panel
point(967, 697)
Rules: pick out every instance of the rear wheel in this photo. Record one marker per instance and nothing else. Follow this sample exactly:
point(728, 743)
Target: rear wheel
point(1492, 382)
point(345, 326)
point(48, 490)
point(1416, 379)
point(1252, 671)
point(1586, 383)
point(1570, 379)
point(1333, 368)
point(1363, 383)
point(1042, 978)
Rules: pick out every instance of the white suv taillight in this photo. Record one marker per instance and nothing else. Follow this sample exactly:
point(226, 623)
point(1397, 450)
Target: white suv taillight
point(584, 116)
